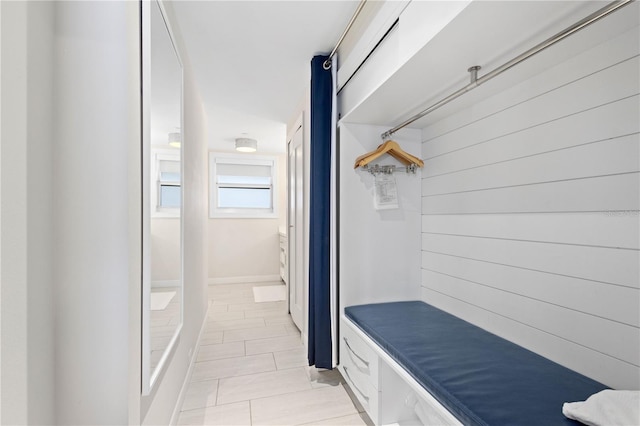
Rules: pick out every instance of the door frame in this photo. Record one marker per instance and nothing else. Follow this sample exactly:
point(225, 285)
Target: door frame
point(295, 253)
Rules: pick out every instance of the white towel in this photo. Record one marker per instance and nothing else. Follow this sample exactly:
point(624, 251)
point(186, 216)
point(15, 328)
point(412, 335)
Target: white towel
point(606, 408)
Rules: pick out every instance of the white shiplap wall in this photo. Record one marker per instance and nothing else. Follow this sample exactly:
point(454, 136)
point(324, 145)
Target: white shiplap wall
point(530, 203)
point(379, 249)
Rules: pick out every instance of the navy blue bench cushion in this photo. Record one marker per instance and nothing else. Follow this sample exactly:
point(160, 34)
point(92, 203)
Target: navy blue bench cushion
point(482, 379)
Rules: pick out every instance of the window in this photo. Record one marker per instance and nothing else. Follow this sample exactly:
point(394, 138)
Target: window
point(169, 184)
point(242, 186)
point(166, 199)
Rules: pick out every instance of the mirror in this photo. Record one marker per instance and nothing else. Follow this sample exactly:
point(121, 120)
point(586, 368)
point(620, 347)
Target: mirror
point(162, 272)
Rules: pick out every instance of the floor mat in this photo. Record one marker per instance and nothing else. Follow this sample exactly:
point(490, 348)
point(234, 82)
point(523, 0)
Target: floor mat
point(160, 300)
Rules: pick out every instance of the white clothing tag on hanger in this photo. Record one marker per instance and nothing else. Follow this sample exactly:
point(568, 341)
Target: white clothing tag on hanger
point(385, 192)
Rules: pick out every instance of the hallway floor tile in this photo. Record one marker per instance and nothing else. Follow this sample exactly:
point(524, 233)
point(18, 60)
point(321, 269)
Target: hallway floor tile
point(251, 369)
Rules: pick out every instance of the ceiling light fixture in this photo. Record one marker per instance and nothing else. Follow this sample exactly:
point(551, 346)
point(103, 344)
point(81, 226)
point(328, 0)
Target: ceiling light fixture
point(175, 139)
point(246, 145)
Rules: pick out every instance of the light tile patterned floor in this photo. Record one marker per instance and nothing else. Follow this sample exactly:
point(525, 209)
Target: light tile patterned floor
point(163, 323)
point(251, 369)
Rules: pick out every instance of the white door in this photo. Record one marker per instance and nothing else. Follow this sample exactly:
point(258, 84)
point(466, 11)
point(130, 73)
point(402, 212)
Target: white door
point(296, 229)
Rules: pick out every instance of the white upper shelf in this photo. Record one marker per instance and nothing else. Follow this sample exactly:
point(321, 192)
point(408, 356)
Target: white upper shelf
point(486, 33)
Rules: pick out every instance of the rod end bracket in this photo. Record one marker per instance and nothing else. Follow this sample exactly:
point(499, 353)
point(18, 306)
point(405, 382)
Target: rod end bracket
point(474, 72)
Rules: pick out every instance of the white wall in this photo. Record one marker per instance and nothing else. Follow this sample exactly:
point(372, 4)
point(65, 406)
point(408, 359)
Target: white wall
point(530, 204)
point(379, 249)
point(243, 250)
point(97, 119)
point(248, 250)
point(26, 169)
point(158, 408)
point(164, 238)
point(0, 218)
point(71, 218)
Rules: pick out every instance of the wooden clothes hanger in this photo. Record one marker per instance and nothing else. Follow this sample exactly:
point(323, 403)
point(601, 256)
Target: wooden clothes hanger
point(393, 149)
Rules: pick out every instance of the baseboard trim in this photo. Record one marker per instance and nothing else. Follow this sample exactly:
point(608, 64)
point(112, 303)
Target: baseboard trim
point(246, 279)
point(187, 379)
point(165, 283)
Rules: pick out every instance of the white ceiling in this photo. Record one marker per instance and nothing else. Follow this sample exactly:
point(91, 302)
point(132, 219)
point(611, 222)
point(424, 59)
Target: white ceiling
point(251, 61)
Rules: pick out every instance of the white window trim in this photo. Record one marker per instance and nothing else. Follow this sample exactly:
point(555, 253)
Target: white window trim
point(158, 155)
point(248, 159)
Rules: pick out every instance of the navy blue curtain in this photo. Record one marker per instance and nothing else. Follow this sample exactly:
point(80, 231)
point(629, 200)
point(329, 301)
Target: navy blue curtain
point(320, 190)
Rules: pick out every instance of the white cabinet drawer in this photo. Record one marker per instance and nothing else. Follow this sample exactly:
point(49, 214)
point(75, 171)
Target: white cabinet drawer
point(357, 354)
point(386, 390)
point(362, 389)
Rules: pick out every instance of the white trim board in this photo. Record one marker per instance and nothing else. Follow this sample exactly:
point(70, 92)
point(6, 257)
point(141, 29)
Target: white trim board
point(165, 284)
point(187, 377)
point(244, 279)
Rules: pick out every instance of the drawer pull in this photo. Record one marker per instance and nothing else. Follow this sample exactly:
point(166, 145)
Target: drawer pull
point(346, 371)
point(366, 363)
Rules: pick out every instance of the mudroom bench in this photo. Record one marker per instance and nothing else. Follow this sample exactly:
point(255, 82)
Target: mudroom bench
point(411, 363)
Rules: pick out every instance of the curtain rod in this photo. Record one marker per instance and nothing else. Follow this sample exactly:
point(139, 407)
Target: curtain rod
point(327, 64)
point(475, 81)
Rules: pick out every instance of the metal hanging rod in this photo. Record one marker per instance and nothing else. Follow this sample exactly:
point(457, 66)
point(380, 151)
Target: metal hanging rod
point(475, 81)
point(327, 64)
